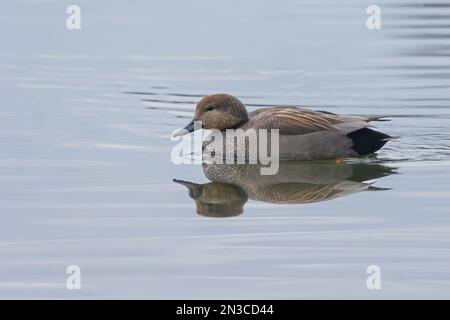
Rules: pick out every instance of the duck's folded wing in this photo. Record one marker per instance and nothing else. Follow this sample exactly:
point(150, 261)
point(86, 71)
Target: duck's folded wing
point(292, 121)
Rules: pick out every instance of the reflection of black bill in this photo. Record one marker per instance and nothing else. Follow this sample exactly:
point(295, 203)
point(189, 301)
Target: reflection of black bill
point(195, 189)
point(189, 128)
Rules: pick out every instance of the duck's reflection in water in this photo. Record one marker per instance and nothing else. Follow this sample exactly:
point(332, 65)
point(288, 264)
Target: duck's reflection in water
point(295, 182)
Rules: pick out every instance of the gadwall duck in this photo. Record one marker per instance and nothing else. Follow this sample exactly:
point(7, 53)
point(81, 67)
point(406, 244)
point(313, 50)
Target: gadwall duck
point(296, 182)
point(304, 134)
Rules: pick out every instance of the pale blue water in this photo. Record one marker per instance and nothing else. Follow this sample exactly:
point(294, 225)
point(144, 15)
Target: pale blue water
point(86, 118)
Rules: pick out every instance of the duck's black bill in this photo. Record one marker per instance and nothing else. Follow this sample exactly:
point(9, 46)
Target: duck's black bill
point(189, 128)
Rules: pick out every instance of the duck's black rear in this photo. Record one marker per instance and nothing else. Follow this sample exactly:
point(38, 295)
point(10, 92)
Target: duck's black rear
point(367, 141)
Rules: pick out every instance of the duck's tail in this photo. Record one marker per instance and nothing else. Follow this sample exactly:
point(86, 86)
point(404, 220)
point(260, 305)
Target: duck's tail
point(376, 118)
point(367, 141)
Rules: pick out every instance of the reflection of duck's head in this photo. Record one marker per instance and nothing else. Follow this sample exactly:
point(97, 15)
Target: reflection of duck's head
point(216, 199)
point(295, 182)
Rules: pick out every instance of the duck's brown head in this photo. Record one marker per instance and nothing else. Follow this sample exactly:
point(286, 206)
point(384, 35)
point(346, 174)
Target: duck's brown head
point(218, 111)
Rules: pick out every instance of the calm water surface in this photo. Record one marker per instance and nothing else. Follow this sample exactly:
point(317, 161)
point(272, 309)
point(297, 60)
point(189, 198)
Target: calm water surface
point(86, 118)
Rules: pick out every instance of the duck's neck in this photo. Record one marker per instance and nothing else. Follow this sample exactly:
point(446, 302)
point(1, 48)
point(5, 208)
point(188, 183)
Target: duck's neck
point(239, 124)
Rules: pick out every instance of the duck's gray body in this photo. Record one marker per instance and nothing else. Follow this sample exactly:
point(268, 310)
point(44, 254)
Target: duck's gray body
point(299, 138)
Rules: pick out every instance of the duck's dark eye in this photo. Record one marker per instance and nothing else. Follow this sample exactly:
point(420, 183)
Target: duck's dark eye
point(209, 108)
